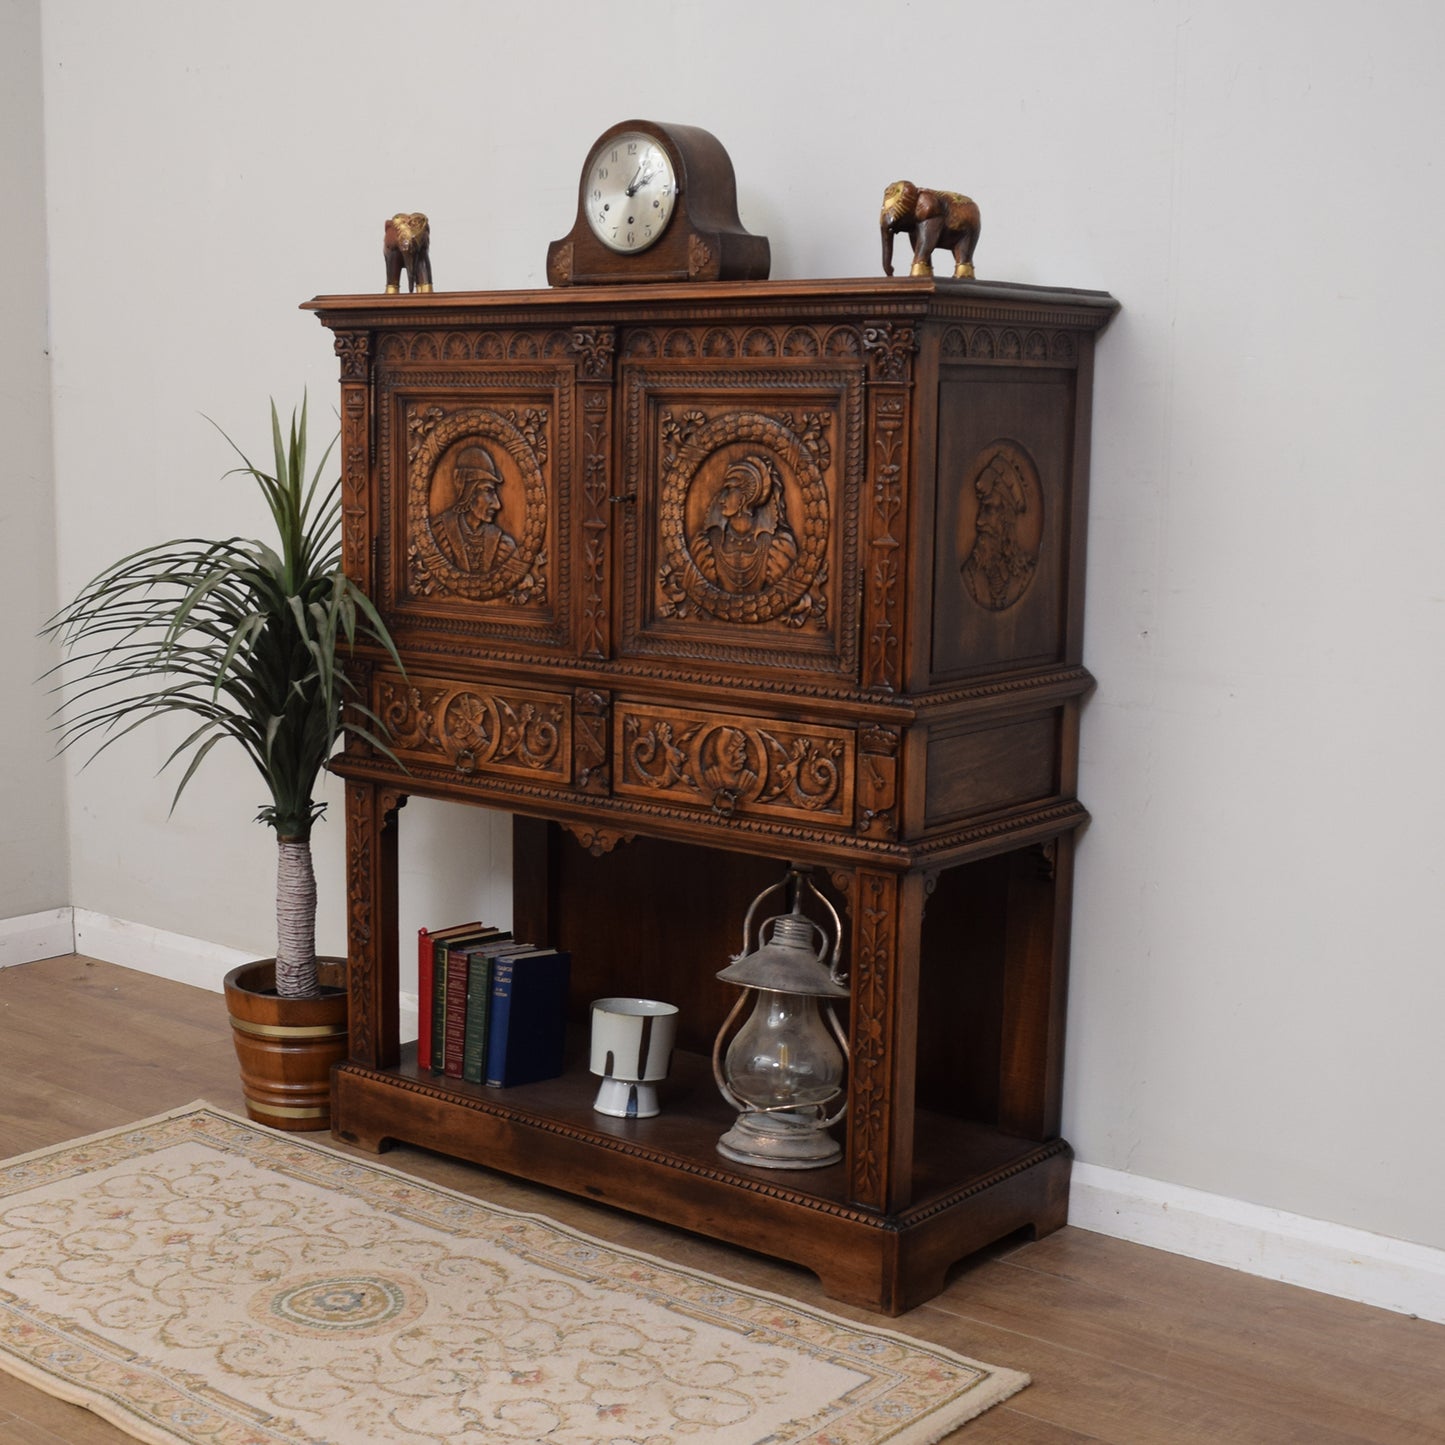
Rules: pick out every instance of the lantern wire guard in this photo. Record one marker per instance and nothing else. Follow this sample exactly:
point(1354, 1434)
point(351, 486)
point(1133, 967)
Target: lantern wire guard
point(785, 1067)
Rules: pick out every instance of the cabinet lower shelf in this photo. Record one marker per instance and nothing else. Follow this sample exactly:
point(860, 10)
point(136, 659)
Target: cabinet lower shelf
point(972, 1184)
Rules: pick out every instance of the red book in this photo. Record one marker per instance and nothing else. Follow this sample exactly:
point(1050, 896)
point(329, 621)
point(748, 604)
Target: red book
point(459, 967)
point(424, 968)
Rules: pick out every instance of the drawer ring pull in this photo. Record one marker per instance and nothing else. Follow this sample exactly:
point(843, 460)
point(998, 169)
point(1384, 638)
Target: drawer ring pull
point(466, 761)
point(725, 802)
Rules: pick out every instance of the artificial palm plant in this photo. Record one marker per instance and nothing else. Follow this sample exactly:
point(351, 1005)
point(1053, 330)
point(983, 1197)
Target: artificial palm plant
point(247, 638)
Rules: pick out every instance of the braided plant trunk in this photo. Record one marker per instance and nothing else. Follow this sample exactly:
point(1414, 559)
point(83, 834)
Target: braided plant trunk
point(295, 919)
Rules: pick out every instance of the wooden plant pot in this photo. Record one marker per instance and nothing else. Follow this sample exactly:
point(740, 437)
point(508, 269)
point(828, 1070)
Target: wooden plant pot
point(286, 1046)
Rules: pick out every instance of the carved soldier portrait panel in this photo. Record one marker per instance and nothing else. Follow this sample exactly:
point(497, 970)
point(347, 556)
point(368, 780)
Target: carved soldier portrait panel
point(476, 504)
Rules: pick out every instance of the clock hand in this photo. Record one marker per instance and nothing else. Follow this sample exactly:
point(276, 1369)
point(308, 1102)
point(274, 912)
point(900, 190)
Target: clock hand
point(639, 180)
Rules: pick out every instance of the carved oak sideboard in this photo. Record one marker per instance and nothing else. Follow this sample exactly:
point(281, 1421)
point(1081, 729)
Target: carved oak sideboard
point(695, 581)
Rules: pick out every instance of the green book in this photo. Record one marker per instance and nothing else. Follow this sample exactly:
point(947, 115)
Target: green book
point(479, 994)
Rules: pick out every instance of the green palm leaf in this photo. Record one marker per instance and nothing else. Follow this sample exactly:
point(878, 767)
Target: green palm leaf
point(244, 635)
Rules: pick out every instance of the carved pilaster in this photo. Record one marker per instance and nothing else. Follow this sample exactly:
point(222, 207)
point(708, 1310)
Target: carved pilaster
point(595, 348)
point(887, 919)
point(354, 349)
point(360, 674)
point(870, 1093)
point(877, 790)
point(889, 349)
point(883, 579)
point(596, 519)
point(371, 923)
point(591, 716)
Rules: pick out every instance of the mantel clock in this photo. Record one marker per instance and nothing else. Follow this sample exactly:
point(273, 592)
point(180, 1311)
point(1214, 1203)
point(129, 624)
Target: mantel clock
point(657, 202)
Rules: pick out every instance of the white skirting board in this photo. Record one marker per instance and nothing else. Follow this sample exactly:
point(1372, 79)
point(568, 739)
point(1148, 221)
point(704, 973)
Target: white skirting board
point(152, 950)
point(37, 936)
point(1332, 1258)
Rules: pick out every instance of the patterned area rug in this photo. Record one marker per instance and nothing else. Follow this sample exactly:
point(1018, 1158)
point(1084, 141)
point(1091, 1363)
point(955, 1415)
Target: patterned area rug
point(197, 1278)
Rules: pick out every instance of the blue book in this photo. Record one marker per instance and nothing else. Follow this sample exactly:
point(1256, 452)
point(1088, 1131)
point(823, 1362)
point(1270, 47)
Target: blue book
point(479, 1004)
point(527, 1031)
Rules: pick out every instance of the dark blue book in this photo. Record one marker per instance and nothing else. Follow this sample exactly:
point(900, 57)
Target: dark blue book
point(527, 1030)
point(479, 1004)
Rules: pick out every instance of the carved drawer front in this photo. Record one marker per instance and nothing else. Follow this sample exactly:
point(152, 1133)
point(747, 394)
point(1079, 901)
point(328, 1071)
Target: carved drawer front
point(733, 765)
point(472, 729)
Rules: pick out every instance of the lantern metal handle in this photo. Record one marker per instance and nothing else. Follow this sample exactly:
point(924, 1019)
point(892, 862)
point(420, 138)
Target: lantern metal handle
point(796, 878)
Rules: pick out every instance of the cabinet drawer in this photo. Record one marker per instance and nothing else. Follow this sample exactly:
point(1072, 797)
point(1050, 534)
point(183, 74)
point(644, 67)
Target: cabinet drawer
point(735, 764)
point(514, 731)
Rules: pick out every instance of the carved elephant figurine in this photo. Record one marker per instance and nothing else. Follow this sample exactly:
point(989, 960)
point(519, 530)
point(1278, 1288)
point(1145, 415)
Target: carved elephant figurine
point(406, 243)
point(930, 219)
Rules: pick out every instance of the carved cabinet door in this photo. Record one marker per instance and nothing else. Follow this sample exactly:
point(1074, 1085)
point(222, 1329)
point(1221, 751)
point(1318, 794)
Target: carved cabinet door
point(475, 472)
point(740, 453)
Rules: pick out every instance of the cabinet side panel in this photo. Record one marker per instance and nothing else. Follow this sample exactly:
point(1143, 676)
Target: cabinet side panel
point(1001, 545)
point(979, 769)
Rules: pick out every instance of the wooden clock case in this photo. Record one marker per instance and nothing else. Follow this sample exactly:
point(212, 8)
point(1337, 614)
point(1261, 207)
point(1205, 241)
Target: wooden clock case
point(879, 675)
point(704, 239)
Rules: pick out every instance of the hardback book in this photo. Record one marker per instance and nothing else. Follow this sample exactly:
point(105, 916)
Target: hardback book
point(479, 1005)
point(441, 954)
point(424, 971)
point(528, 1028)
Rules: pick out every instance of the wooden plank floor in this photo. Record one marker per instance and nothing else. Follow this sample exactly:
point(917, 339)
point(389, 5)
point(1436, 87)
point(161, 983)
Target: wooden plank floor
point(1125, 1344)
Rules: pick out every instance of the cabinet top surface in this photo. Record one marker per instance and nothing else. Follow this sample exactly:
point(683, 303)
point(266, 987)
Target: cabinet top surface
point(905, 296)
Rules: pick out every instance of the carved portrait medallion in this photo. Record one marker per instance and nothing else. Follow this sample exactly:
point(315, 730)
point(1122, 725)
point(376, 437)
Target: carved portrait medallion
point(743, 518)
point(1000, 525)
point(477, 504)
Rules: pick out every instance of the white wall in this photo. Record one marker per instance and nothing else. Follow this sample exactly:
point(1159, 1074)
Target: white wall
point(34, 862)
point(1257, 988)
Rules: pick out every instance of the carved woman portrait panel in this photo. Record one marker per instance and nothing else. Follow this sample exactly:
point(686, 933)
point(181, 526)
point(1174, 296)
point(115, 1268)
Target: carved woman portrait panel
point(743, 520)
point(746, 543)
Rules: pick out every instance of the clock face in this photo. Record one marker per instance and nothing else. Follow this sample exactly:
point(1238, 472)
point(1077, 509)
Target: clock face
point(630, 192)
